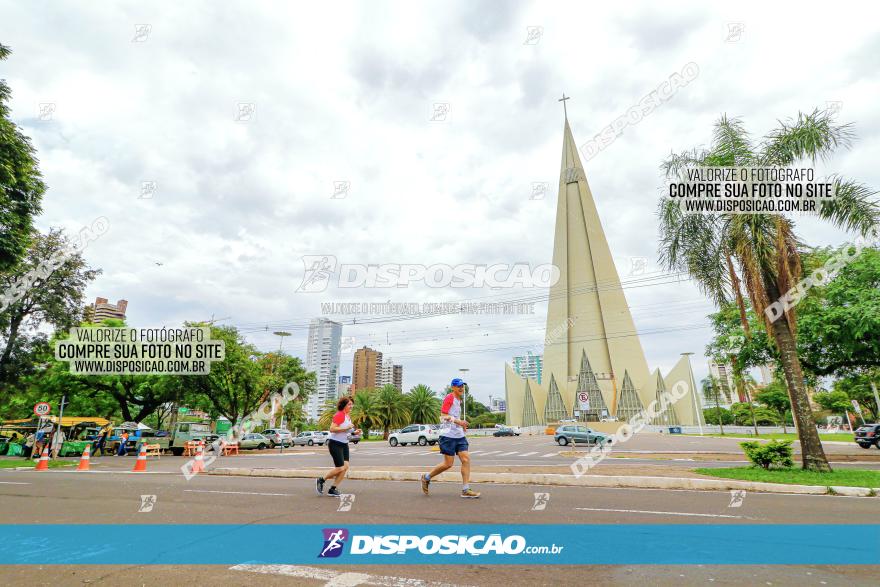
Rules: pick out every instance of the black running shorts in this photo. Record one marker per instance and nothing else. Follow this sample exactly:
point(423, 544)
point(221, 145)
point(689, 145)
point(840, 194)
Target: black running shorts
point(339, 452)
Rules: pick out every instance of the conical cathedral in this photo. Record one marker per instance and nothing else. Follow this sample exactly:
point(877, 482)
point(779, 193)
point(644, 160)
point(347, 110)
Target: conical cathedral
point(591, 343)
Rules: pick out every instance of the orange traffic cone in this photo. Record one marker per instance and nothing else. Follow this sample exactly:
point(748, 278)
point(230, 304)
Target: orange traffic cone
point(140, 465)
point(84, 459)
point(43, 465)
point(199, 463)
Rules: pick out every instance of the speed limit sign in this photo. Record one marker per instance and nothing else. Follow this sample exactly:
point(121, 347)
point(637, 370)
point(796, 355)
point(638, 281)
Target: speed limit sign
point(42, 408)
point(584, 400)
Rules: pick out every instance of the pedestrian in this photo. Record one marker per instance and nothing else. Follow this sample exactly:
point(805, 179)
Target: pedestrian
point(29, 445)
point(39, 442)
point(56, 443)
point(453, 441)
point(123, 440)
point(101, 442)
point(337, 444)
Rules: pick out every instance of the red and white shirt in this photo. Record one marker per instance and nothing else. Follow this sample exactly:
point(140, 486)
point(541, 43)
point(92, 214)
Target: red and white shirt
point(340, 418)
point(451, 406)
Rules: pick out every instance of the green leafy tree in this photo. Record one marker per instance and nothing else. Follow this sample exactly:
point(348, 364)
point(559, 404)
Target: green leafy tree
point(423, 405)
point(21, 185)
point(835, 401)
point(137, 396)
point(838, 324)
point(775, 397)
point(392, 409)
point(858, 387)
point(734, 256)
point(235, 387)
point(54, 299)
point(717, 416)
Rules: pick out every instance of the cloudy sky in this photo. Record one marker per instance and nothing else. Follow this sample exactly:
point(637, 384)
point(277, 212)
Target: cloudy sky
point(118, 94)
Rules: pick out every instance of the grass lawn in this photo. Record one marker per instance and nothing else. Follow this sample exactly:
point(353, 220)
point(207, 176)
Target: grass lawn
point(845, 477)
point(848, 437)
point(11, 463)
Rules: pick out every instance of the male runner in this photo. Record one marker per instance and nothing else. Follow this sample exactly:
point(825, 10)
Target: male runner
point(453, 441)
point(338, 446)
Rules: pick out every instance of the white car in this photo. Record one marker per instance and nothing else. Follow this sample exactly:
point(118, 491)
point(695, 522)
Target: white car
point(309, 438)
point(421, 434)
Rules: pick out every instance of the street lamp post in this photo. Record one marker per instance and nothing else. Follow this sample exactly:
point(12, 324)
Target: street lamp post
point(280, 334)
point(464, 404)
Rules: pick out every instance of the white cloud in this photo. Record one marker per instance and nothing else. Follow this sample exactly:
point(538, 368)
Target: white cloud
point(343, 92)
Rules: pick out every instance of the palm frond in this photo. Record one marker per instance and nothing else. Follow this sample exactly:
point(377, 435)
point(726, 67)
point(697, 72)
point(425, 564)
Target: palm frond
point(854, 208)
point(811, 136)
point(730, 144)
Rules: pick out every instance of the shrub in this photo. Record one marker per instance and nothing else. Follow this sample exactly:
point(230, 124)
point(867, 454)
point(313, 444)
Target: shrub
point(774, 453)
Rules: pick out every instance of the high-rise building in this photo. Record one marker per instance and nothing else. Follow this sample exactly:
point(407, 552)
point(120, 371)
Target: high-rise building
point(529, 365)
point(102, 309)
point(322, 357)
point(723, 373)
point(343, 387)
point(585, 353)
point(367, 368)
point(390, 374)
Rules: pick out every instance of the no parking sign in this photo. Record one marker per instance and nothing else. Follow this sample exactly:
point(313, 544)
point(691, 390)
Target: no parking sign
point(42, 408)
point(584, 400)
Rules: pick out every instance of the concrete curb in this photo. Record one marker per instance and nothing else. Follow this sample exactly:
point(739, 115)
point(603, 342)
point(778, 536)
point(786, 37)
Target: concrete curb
point(568, 481)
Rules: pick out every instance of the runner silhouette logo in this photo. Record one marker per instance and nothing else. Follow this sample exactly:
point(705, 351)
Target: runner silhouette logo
point(334, 541)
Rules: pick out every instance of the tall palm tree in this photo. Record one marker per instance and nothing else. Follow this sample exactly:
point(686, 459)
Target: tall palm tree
point(365, 413)
point(392, 409)
point(760, 253)
point(328, 410)
point(423, 404)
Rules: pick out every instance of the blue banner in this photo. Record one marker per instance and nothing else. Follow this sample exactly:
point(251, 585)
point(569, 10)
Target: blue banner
point(230, 544)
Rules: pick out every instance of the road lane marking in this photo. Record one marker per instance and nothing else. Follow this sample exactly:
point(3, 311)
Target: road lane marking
point(234, 492)
point(337, 578)
point(14, 482)
point(507, 454)
point(528, 454)
point(550, 454)
point(491, 452)
point(659, 513)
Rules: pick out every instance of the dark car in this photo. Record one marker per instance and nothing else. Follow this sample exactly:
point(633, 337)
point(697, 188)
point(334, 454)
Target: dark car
point(504, 432)
point(868, 435)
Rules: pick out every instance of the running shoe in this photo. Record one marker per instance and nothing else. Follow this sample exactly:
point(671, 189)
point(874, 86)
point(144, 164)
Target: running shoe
point(333, 492)
point(470, 493)
point(319, 486)
point(425, 484)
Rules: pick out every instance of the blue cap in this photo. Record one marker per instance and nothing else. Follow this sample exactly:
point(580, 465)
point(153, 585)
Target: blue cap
point(457, 383)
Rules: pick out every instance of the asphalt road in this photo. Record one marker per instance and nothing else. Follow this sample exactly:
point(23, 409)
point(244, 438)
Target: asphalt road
point(114, 497)
point(541, 451)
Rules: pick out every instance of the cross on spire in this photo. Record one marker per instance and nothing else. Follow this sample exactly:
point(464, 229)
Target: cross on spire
point(563, 99)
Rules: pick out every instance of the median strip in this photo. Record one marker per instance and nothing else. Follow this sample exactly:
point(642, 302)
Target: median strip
point(566, 481)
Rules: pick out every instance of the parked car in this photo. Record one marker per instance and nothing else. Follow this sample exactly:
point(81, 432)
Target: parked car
point(253, 440)
point(421, 434)
point(278, 436)
point(354, 438)
point(504, 432)
point(309, 437)
point(865, 436)
point(574, 434)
